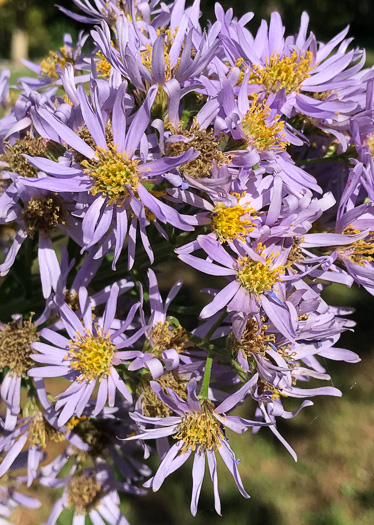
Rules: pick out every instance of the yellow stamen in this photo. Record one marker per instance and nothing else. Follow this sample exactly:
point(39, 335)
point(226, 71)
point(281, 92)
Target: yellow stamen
point(40, 431)
point(359, 252)
point(90, 355)
point(259, 132)
point(60, 58)
point(152, 405)
point(286, 72)
point(203, 141)
point(255, 341)
point(43, 215)
point(255, 276)
point(165, 336)
point(200, 429)
point(15, 350)
point(113, 174)
point(370, 143)
point(232, 222)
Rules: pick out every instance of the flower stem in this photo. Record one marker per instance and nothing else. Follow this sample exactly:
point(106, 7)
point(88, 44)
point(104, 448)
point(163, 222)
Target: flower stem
point(209, 361)
point(206, 379)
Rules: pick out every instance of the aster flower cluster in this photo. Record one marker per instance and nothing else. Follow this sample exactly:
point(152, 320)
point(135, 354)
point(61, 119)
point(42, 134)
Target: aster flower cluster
point(149, 144)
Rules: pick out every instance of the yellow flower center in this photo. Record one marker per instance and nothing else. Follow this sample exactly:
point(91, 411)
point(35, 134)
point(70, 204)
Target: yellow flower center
point(360, 251)
point(60, 58)
point(286, 72)
point(257, 277)
point(200, 429)
point(232, 222)
point(260, 133)
point(103, 66)
point(114, 174)
point(91, 356)
point(84, 493)
point(370, 143)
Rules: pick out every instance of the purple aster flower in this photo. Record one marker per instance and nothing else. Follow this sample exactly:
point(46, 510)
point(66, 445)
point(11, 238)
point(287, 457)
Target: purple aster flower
point(110, 10)
point(92, 493)
point(166, 338)
point(112, 183)
point(170, 59)
point(38, 212)
point(100, 437)
point(35, 431)
point(199, 428)
point(15, 357)
point(88, 358)
point(313, 79)
point(255, 280)
point(52, 66)
point(352, 245)
point(83, 277)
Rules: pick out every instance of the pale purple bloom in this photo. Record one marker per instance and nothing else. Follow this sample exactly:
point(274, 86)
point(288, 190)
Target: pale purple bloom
point(319, 68)
point(158, 359)
point(237, 296)
point(10, 391)
point(213, 440)
point(38, 212)
point(33, 429)
point(51, 67)
point(110, 215)
point(101, 486)
point(88, 358)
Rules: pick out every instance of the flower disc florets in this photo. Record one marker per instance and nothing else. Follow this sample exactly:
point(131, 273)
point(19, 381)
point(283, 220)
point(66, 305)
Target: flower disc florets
point(91, 355)
point(17, 163)
point(113, 175)
point(15, 350)
point(286, 72)
point(84, 493)
point(53, 59)
point(203, 141)
point(164, 336)
point(43, 214)
point(360, 251)
point(232, 222)
point(40, 431)
point(257, 277)
point(255, 340)
point(200, 429)
point(259, 132)
point(152, 405)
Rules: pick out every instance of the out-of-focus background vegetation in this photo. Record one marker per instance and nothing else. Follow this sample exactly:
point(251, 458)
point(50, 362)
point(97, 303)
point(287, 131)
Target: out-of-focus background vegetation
point(333, 481)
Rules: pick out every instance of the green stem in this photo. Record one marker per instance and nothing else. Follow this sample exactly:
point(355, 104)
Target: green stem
point(209, 361)
point(206, 379)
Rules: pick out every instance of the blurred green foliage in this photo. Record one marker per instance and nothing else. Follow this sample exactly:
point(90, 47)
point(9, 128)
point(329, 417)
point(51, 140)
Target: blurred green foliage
point(45, 24)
